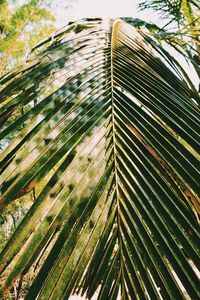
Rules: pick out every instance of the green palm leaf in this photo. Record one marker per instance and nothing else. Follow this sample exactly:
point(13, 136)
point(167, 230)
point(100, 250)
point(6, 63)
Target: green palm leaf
point(111, 124)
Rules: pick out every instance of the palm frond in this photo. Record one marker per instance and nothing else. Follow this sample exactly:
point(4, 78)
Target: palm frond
point(108, 119)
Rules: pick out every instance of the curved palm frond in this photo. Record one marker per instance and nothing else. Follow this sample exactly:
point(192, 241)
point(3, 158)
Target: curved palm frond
point(184, 37)
point(178, 10)
point(110, 122)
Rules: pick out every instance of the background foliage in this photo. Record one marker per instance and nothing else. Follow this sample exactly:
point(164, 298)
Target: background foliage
point(22, 26)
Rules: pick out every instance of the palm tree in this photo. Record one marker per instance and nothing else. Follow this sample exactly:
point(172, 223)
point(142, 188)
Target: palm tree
point(184, 15)
point(176, 10)
point(115, 136)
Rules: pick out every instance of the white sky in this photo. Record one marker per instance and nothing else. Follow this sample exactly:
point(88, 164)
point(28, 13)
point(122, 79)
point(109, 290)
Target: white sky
point(98, 8)
point(104, 8)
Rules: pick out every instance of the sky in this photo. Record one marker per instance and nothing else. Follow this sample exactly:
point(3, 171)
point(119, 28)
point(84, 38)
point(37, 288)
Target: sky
point(105, 8)
point(78, 9)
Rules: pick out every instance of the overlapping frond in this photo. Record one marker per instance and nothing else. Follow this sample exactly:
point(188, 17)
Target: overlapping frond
point(109, 121)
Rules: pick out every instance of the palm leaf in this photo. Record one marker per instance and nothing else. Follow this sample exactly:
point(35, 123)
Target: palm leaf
point(111, 124)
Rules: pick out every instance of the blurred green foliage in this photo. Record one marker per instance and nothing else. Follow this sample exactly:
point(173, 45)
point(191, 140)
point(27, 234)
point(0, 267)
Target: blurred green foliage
point(22, 26)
